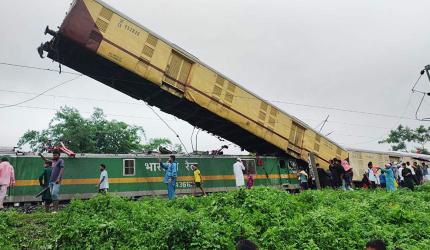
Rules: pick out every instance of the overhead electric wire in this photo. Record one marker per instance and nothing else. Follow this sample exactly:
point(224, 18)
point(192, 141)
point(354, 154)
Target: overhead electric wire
point(85, 112)
point(38, 68)
point(167, 125)
point(34, 97)
point(141, 104)
point(138, 117)
point(247, 97)
point(403, 113)
point(268, 100)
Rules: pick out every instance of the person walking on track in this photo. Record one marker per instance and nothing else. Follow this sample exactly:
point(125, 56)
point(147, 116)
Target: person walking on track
point(238, 169)
point(171, 168)
point(56, 178)
point(198, 180)
point(7, 178)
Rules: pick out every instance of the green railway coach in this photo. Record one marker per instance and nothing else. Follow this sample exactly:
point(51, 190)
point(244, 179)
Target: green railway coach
point(135, 175)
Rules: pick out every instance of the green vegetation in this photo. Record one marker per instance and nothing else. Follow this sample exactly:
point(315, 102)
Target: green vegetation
point(419, 137)
point(92, 135)
point(273, 219)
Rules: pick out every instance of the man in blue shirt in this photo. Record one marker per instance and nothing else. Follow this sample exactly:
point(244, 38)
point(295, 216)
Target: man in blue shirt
point(171, 168)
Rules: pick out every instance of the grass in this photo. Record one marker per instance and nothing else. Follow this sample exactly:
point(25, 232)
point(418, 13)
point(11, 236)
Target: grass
point(272, 218)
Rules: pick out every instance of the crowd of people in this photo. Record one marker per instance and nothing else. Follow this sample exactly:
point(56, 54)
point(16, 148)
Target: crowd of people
point(339, 175)
point(52, 176)
point(393, 175)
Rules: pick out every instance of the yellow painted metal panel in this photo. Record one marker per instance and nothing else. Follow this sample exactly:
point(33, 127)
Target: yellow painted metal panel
point(234, 103)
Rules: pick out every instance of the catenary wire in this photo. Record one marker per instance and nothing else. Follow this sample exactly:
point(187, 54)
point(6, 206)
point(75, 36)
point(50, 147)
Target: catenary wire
point(38, 68)
point(140, 104)
point(36, 96)
point(137, 117)
point(167, 125)
point(403, 113)
point(277, 101)
point(267, 100)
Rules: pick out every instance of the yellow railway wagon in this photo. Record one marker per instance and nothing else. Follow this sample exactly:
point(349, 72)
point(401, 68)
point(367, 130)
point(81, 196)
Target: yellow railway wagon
point(106, 45)
point(359, 159)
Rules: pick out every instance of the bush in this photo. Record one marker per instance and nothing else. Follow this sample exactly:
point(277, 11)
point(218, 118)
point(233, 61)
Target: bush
point(271, 218)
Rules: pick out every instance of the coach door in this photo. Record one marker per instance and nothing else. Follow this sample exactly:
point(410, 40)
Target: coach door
point(296, 139)
point(176, 74)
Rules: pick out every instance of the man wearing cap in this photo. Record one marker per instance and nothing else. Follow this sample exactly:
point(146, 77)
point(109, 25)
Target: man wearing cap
point(7, 178)
point(238, 169)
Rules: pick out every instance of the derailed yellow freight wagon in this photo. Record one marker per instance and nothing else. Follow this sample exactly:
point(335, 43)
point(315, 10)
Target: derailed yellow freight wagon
point(106, 45)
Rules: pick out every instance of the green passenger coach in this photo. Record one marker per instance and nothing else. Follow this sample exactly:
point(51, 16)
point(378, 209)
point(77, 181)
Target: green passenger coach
point(135, 175)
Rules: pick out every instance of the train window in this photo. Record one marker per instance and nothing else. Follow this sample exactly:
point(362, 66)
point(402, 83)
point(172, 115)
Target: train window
point(282, 164)
point(249, 166)
point(129, 167)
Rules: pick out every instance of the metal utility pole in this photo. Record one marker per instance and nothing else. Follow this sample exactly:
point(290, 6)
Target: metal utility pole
point(325, 121)
point(425, 70)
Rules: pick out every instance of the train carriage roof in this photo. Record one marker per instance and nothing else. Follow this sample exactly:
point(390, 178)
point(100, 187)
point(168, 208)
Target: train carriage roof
point(195, 59)
point(421, 157)
point(140, 155)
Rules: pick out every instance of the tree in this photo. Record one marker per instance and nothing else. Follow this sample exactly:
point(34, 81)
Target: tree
point(86, 135)
point(399, 137)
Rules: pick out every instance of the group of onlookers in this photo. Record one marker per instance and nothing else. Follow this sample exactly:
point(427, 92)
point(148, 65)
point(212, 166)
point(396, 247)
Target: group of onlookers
point(390, 177)
point(338, 175)
point(395, 175)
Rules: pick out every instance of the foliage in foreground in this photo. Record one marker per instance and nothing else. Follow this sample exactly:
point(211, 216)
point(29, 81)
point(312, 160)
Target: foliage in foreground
point(273, 219)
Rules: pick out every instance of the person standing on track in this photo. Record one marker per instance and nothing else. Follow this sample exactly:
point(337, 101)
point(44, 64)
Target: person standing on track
point(400, 178)
point(238, 169)
point(337, 171)
point(426, 172)
point(408, 178)
point(104, 180)
point(198, 180)
point(418, 173)
point(302, 176)
point(250, 181)
point(44, 183)
point(7, 178)
point(388, 172)
point(371, 175)
point(347, 175)
point(56, 178)
point(171, 168)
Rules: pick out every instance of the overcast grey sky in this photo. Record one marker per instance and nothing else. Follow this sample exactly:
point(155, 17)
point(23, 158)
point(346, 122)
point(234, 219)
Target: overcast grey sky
point(358, 55)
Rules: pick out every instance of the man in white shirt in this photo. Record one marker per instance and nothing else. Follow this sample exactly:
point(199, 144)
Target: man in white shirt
point(401, 179)
point(238, 169)
point(408, 165)
point(104, 181)
point(371, 175)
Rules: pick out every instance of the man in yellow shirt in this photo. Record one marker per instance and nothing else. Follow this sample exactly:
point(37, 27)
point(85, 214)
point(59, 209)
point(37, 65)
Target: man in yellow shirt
point(198, 180)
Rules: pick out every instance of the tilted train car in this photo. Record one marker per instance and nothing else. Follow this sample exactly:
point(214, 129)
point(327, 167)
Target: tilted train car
point(104, 44)
point(359, 159)
point(132, 175)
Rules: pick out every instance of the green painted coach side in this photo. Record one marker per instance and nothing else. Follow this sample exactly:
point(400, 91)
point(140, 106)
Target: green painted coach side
point(81, 175)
